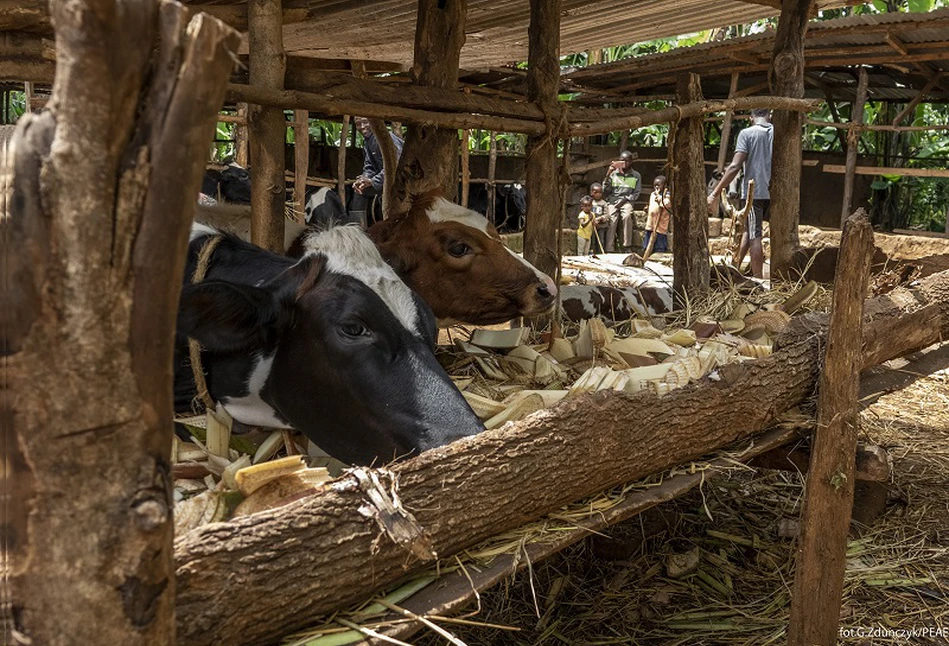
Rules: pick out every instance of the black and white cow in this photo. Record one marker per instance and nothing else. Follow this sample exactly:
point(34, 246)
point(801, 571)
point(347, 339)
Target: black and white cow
point(510, 204)
point(231, 184)
point(324, 208)
point(333, 344)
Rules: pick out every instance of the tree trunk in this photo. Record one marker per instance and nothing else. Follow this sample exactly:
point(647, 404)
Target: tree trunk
point(103, 196)
point(430, 154)
point(481, 486)
point(786, 76)
point(267, 126)
point(689, 207)
point(544, 194)
point(825, 519)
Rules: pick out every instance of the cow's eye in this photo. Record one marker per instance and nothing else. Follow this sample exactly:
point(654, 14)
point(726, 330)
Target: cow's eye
point(354, 329)
point(458, 249)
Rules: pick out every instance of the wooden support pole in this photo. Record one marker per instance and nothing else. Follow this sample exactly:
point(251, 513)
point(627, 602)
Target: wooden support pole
point(430, 153)
point(689, 207)
point(911, 106)
point(727, 126)
point(95, 238)
point(341, 160)
point(241, 155)
point(786, 77)
point(492, 172)
point(28, 96)
point(301, 161)
point(267, 126)
point(853, 139)
point(458, 499)
point(543, 184)
point(465, 166)
point(828, 496)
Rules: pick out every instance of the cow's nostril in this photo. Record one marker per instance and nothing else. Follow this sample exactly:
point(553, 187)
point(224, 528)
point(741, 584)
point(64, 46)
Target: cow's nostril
point(543, 291)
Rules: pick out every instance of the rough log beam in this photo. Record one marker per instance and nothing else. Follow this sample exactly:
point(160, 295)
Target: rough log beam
point(786, 76)
point(911, 106)
point(267, 560)
point(542, 177)
point(267, 127)
point(828, 497)
point(103, 194)
point(26, 57)
point(873, 128)
point(430, 154)
point(667, 115)
point(689, 207)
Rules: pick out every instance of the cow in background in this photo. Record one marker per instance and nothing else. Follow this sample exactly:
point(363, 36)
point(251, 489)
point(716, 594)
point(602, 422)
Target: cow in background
point(230, 184)
point(510, 204)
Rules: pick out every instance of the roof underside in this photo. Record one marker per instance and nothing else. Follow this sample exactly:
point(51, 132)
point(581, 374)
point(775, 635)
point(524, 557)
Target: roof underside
point(496, 30)
point(905, 51)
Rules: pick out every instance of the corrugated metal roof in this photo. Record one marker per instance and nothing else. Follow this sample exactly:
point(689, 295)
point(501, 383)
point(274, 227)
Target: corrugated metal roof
point(906, 48)
point(383, 30)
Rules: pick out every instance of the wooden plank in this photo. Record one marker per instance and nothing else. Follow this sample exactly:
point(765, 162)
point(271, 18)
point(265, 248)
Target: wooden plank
point(465, 166)
point(853, 139)
point(888, 170)
point(492, 170)
point(828, 496)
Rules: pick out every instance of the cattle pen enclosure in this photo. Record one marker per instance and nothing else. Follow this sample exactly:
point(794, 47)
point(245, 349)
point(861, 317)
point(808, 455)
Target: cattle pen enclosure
point(685, 472)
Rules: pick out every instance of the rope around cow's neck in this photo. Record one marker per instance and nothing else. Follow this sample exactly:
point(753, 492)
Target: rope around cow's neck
point(194, 348)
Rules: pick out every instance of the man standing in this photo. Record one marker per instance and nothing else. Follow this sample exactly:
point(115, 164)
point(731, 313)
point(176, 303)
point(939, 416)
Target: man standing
point(753, 149)
point(373, 176)
point(621, 187)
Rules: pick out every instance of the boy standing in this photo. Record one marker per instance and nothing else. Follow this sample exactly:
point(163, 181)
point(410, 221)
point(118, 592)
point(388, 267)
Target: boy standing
point(585, 221)
point(601, 218)
point(657, 218)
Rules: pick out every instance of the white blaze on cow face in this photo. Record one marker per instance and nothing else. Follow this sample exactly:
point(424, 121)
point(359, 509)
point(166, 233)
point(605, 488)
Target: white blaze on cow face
point(350, 252)
point(444, 211)
point(251, 409)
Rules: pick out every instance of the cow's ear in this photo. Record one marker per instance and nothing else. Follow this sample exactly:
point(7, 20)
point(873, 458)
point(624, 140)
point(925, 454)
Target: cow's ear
point(227, 317)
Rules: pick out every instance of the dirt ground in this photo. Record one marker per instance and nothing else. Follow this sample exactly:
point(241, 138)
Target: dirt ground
point(617, 589)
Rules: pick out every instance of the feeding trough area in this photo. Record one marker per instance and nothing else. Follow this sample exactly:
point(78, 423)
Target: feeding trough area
point(406, 431)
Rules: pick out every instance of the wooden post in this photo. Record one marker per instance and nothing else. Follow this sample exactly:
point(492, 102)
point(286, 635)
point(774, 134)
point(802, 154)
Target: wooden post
point(727, 126)
point(689, 207)
point(853, 139)
point(266, 125)
point(430, 154)
point(28, 95)
point(465, 166)
point(89, 320)
point(543, 220)
point(911, 106)
point(492, 173)
point(301, 161)
point(241, 156)
point(786, 76)
point(341, 160)
point(825, 518)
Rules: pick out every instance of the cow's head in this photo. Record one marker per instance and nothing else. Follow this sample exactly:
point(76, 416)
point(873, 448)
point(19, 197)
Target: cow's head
point(231, 184)
point(455, 260)
point(335, 346)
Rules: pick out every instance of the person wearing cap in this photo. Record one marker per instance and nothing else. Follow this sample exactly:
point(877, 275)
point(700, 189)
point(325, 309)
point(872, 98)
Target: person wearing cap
point(621, 188)
point(753, 151)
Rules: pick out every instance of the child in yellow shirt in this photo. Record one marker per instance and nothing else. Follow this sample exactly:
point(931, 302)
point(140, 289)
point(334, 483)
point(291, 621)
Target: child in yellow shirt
point(585, 229)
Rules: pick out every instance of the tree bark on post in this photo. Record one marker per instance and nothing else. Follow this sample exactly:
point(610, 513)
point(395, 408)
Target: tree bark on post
point(786, 76)
point(853, 139)
point(104, 186)
point(689, 207)
point(727, 127)
point(543, 183)
point(430, 154)
point(828, 497)
point(301, 160)
point(341, 160)
point(467, 491)
point(465, 166)
point(241, 155)
point(266, 125)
